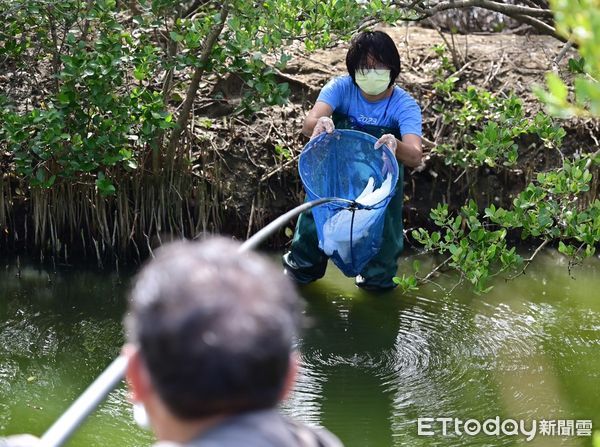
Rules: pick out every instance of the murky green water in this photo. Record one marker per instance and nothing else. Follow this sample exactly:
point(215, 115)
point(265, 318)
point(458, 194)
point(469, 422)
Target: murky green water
point(372, 364)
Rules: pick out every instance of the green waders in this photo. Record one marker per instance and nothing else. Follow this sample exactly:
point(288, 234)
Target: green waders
point(305, 262)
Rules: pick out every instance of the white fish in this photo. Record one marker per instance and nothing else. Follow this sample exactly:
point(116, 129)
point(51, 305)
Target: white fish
point(373, 197)
point(336, 231)
point(367, 191)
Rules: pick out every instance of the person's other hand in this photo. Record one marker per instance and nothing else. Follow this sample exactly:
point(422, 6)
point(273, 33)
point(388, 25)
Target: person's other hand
point(20, 441)
point(324, 124)
point(389, 140)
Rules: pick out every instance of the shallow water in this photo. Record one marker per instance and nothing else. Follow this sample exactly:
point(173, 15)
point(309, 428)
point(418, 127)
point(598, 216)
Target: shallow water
point(371, 364)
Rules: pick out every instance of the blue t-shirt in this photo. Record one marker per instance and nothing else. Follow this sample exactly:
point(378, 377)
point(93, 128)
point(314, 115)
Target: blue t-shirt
point(398, 111)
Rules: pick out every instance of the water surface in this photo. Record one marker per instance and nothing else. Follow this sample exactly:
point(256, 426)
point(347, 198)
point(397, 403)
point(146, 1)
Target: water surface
point(371, 364)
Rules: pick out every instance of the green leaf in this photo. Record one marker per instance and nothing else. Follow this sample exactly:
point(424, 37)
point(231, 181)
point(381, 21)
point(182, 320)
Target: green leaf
point(104, 185)
point(139, 73)
point(557, 87)
point(48, 183)
point(416, 266)
point(564, 249)
point(289, 233)
point(176, 36)
point(40, 175)
point(576, 65)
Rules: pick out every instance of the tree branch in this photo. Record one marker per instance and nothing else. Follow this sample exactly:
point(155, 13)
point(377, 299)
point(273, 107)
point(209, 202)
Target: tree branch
point(542, 27)
point(193, 7)
point(562, 53)
point(531, 258)
point(502, 8)
point(433, 272)
point(186, 107)
point(525, 14)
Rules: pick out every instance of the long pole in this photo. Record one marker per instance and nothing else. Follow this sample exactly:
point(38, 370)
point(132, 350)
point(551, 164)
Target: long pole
point(85, 404)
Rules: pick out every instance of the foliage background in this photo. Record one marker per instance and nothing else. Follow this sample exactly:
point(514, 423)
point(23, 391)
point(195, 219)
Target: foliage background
point(126, 123)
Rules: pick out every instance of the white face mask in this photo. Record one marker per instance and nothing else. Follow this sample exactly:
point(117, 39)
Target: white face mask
point(373, 81)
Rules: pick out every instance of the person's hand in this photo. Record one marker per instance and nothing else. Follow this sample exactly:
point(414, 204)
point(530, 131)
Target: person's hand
point(389, 140)
point(324, 124)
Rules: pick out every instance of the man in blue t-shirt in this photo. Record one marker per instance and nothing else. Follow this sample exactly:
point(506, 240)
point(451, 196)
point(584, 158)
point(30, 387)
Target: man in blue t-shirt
point(366, 99)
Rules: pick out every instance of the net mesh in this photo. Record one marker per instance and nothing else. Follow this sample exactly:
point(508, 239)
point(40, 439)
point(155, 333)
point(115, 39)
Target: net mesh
point(345, 165)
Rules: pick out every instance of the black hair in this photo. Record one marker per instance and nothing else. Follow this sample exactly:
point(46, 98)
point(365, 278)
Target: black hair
point(373, 45)
point(215, 328)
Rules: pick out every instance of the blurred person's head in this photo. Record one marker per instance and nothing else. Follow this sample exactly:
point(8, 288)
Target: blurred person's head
point(210, 333)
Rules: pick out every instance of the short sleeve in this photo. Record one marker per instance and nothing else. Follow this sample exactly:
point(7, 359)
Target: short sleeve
point(334, 92)
point(410, 119)
point(407, 113)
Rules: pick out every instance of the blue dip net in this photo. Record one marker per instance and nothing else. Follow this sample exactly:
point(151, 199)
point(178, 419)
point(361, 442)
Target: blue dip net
point(345, 165)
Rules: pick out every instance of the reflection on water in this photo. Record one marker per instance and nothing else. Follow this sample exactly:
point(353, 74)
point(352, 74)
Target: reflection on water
point(58, 331)
point(371, 364)
point(374, 364)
